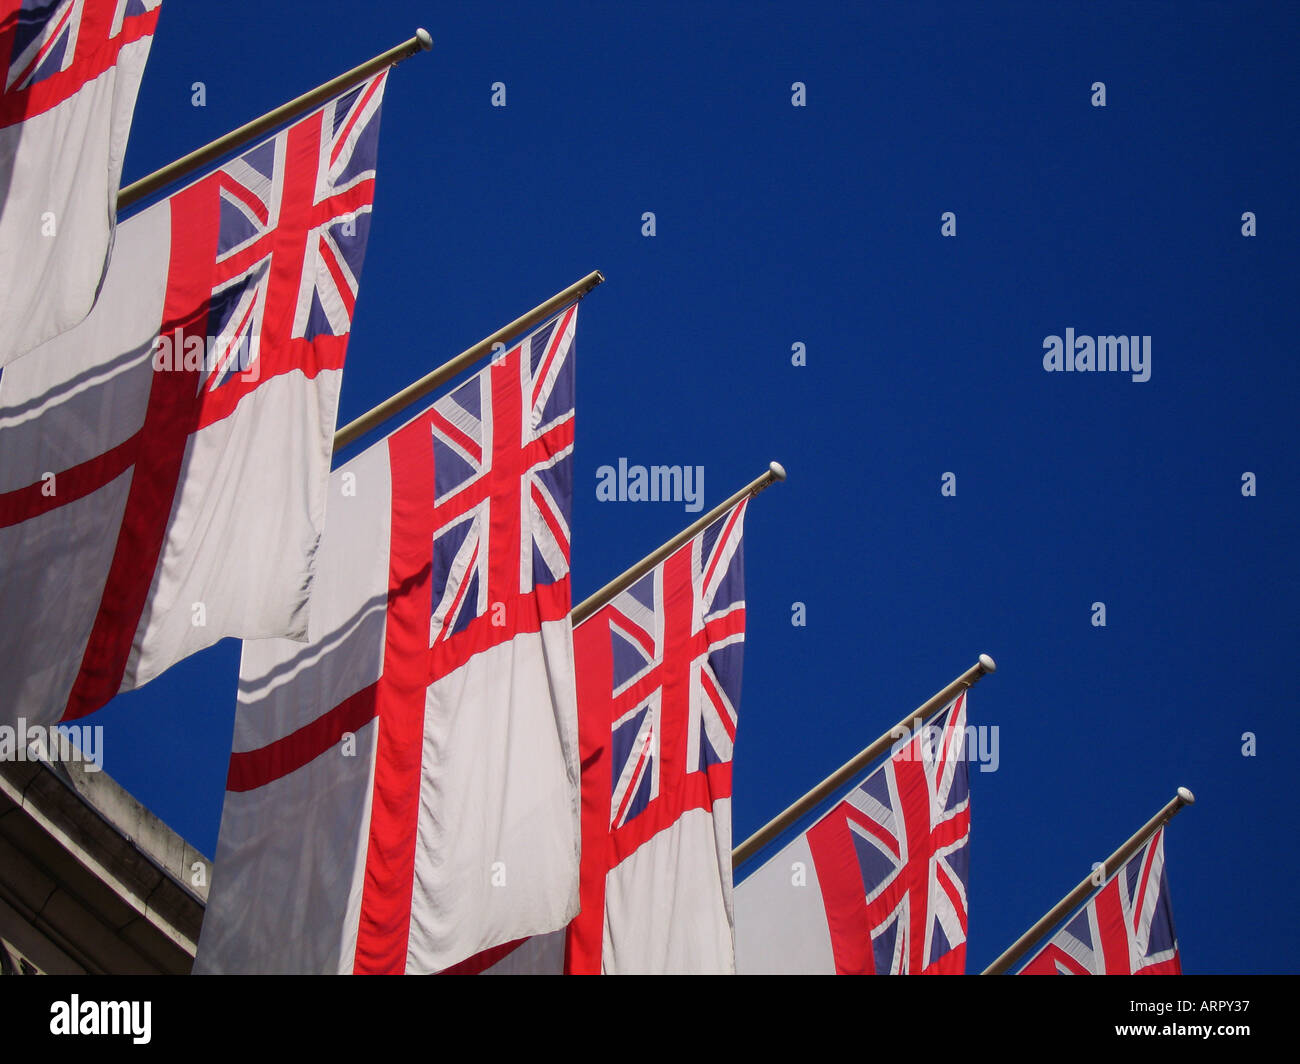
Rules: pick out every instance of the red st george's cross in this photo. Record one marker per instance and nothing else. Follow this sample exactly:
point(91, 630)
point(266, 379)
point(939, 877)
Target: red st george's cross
point(266, 250)
point(443, 477)
point(53, 49)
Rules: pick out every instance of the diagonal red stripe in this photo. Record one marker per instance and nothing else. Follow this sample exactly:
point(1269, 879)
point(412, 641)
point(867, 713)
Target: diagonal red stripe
point(721, 542)
point(454, 433)
point(870, 826)
point(357, 111)
point(711, 689)
point(638, 774)
point(628, 627)
point(22, 504)
point(341, 281)
point(172, 414)
point(245, 196)
point(256, 768)
point(481, 962)
point(449, 620)
point(551, 349)
point(552, 521)
point(44, 50)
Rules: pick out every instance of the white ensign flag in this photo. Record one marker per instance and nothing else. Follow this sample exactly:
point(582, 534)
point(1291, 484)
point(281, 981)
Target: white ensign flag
point(72, 69)
point(163, 466)
point(403, 791)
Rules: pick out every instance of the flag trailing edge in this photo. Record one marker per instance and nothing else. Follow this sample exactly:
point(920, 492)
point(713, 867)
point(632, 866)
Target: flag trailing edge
point(878, 883)
point(219, 342)
point(402, 791)
point(72, 70)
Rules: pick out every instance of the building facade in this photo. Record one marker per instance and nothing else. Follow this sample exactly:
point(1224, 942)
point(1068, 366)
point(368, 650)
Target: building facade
point(91, 882)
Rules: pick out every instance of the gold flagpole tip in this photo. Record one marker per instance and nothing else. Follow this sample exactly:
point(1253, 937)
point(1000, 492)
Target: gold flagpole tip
point(778, 470)
point(426, 41)
point(1187, 796)
point(989, 664)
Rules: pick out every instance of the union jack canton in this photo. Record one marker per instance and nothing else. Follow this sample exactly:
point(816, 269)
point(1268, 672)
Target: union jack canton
point(677, 638)
point(498, 474)
point(294, 220)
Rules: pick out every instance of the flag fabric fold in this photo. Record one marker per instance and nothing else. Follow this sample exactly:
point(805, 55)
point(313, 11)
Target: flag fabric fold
point(163, 465)
point(72, 70)
point(403, 790)
point(878, 884)
point(1127, 928)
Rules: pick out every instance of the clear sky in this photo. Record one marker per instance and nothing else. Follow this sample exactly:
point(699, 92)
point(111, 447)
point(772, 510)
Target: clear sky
point(820, 225)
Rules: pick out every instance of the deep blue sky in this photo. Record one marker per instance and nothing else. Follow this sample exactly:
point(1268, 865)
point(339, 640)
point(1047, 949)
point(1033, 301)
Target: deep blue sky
point(821, 225)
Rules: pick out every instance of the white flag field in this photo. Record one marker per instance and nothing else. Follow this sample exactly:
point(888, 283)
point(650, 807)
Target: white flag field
point(72, 71)
point(403, 790)
point(163, 465)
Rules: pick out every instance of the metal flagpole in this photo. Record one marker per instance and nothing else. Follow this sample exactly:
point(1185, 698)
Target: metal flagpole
point(590, 605)
point(1116, 860)
point(415, 392)
point(133, 193)
point(837, 779)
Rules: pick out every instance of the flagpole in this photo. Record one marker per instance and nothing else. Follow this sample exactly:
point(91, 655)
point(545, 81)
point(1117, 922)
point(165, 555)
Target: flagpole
point(413, 393)
point(841, 776)
point(590, 605)
point(1113, 863)
point(133, 193)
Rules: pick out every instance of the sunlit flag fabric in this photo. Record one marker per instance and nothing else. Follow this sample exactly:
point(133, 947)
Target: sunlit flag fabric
point(163, 466)
point(659, 672)
point(1126, 929)
point(403, 791)
point(878, 884)
point(72, 69)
